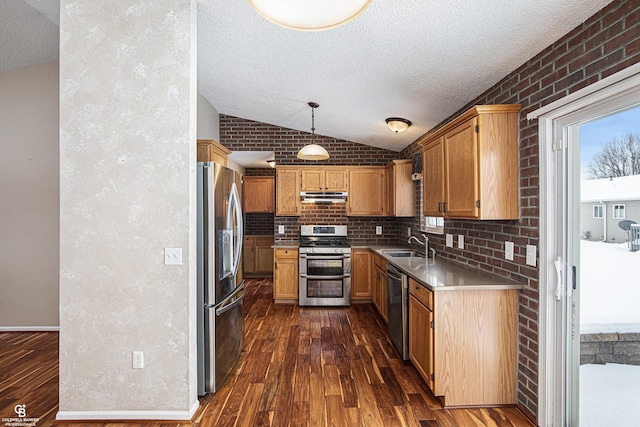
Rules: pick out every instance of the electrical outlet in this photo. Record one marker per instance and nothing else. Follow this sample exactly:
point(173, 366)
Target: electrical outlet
point(508, 250)
point(173, 256)
point(449, 240)
point(281, 229)
point(531, 255)
point(137, 360)
point(378, 229)
point(460, 241)
point(408, 231)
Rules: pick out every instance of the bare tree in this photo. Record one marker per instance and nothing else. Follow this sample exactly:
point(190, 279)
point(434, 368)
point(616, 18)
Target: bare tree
point(618, 157)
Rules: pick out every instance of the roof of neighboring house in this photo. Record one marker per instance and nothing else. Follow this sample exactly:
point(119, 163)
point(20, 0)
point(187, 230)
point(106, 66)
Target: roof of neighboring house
point(610, 189)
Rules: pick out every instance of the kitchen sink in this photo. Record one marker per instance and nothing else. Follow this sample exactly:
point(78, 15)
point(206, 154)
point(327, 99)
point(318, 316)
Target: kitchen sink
point(403, 254)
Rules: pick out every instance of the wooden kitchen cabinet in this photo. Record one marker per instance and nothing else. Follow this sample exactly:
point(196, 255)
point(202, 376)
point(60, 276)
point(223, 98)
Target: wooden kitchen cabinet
point(258, 194)
point(324, 179)
point(470, 165)
point(360, 274)
point(258, 256)
point(400, 190)
point(433, 178)
point(210, 150)
point(379, 294)
point(366, 191)
point(285, 276)
point(464, 343)
point(421, 333)
point(287, 191)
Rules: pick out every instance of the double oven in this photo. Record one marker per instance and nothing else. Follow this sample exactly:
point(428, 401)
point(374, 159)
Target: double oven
point(325, 266)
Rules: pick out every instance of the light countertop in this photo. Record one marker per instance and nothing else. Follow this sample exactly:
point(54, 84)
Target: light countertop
point(445, 275)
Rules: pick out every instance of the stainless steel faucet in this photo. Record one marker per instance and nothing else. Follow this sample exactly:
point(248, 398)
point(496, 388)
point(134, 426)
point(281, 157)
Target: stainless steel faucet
point(425, 243)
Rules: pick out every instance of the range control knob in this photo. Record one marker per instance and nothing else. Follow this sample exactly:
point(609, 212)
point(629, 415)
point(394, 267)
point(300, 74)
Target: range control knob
point(314, 250)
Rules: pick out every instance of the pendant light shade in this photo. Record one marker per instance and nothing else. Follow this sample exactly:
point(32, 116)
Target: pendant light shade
point(309, 15)
point(313, 151)
point(397, 124)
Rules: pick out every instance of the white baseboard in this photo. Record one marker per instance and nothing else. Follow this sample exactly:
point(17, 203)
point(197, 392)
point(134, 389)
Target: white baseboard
point(127, 415)
point(29, 328)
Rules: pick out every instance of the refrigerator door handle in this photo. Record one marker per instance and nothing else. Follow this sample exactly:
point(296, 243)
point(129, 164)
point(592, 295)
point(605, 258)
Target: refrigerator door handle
point(234, 205)
point(231, 301)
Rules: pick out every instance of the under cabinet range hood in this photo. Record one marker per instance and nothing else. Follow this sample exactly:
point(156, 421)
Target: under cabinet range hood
point(323, 197)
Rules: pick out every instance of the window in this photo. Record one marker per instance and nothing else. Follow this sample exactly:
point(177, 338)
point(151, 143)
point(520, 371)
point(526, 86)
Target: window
point(598, 211)
point(618, 211)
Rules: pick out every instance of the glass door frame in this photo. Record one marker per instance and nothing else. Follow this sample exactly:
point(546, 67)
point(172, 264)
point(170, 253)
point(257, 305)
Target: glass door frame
point(557, 377)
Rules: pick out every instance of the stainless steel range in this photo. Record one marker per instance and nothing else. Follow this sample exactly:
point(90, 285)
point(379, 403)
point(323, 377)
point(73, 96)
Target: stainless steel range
point(325, 266)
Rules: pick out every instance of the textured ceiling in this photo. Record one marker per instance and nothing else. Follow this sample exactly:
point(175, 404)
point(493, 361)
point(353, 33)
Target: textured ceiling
point(418, 59)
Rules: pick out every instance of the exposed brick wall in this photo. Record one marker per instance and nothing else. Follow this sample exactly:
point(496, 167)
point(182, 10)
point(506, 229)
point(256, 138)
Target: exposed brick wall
point(604, 44)
point(239, 134)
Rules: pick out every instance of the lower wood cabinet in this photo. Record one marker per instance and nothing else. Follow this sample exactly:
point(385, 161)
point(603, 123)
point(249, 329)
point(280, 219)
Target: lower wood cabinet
point(285, 276)
point(257, 253)
point(360, 274)
point(379, 293)
point(421, 333)
point(467, 355)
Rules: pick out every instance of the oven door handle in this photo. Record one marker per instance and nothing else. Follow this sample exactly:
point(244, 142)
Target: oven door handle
point(343, 276)
point(325, 258)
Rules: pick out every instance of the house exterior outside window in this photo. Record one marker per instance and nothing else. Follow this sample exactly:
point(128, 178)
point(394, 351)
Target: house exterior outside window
point(618, 211)
point(598, 211)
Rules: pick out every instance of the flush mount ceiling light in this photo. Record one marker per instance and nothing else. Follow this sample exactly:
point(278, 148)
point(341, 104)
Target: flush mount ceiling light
point(313, 151)
point(309, 15)
point(398, 124)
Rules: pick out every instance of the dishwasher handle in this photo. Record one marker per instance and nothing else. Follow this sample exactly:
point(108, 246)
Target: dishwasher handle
point(394, 273)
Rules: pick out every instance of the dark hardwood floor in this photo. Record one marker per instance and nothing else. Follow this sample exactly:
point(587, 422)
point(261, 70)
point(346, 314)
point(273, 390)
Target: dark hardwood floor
point(300, 367)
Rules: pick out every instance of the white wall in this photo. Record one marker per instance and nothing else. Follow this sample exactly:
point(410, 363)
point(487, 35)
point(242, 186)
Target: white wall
point(128, 98)
point(208, 120)
point(29, 197)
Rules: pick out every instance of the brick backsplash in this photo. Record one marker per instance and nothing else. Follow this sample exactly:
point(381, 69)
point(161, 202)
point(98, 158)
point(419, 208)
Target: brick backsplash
point(602, 45)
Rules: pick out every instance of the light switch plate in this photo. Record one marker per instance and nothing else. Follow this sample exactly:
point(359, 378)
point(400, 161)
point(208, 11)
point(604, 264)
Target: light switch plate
point(378, 229)
point(408, 231)
point(449, 240)
point(531, 255)
point(281, 229)
point(508, 251)
point(172, 256)
point(460, 241)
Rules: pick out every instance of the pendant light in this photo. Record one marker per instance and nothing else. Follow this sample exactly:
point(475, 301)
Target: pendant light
point(313, 151)
point(309, 15)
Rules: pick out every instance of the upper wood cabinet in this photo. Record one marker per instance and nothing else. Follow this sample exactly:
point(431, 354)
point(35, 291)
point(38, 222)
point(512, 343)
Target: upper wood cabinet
point(258, 194)
point(287, 191)
point(366, 191)
point(470, 165)
point(433, 177)
point(324, 179)
point(210, 150)
point(400, 190)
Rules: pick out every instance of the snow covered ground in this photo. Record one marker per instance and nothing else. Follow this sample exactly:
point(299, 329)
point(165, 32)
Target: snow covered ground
point(610, 288)
point(609, 302)
point(609, 395)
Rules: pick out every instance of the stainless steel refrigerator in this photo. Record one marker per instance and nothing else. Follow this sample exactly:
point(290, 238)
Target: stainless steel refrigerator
point(220, 318)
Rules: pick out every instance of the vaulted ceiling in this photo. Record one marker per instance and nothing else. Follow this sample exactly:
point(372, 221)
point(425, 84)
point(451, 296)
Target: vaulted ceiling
point(418, 59)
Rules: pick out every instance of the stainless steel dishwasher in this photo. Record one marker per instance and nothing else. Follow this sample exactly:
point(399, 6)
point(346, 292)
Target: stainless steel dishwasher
point(398, 309)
